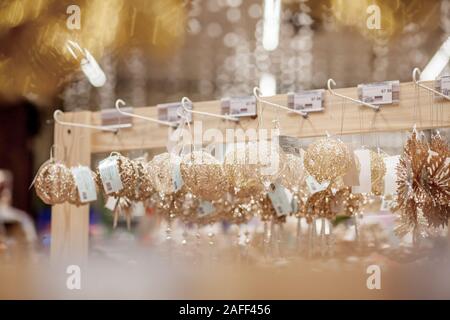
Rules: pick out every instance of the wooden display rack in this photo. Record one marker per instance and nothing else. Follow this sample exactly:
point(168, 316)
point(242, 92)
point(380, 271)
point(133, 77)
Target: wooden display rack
point(70, 224)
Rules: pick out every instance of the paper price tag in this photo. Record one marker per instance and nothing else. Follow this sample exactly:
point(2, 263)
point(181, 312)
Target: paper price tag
point(111, 203)
point(205, 208)
point(85, 183)
point(315, 186)
point(386, 205)
point(280, 200)
point(170, 111)
point(308, 101)
point(239, 106)
point(377, 93)
point(110, 176)
point(445, 85)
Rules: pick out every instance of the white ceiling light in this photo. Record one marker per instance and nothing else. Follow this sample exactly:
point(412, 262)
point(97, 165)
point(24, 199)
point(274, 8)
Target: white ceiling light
point(271, 26)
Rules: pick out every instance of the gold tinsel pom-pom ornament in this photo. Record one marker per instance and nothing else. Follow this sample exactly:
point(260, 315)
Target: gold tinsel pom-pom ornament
point(203, 175)
point(327, 159)
point(144, 187)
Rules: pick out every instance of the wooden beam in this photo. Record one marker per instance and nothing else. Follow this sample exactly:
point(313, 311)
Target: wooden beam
point(357, 119)
point(70, 224)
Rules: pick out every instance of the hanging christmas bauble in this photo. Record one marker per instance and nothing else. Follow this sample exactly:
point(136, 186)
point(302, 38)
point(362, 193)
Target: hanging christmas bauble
point(144, 188)
point(74, 194)
point(164, 172)
point(244, 169)
point(52, 183)
point(292, 173)
point(327, 159)
point(203, 175)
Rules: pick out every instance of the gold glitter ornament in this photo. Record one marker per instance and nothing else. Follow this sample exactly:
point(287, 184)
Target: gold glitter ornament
point(74, 195)
point(243, 170)
point(203, 175)
point(327, 159)
point(161, 170)
point(377, 172)
point(292, 173)
point(144, 188)
point(128, 177)
point(52, 182)
point(320, 205)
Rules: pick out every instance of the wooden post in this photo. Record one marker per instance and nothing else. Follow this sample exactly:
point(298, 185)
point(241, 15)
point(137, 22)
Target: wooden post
point(70, 224)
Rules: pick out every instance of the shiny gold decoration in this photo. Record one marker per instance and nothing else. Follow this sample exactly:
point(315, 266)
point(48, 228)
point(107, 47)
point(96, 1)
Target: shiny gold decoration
point(349, 203)
point(327, 159)
point(52, 182)
point(320, 205)
point(243, 169)
point(161, 170)
point(292, 173)
point(377, 172)
point(144, 188)
point(203, 175)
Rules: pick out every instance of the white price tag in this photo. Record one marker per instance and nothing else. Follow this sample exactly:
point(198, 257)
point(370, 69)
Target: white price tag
point(280, 200)
point(239, 106)
point(386, 205)
point(170, 112)
point(111, 203)
point(110, 176)
point(377, 93)
point(85, 183)
point(314, 186)
point(445, 85)
point(309, 101)
point(205, 208)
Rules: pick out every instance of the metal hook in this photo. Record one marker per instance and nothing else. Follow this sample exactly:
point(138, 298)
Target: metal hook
point(121, 102)
point(416, 73)
point(331, 81)
point(114, 128)
point(186, 100)
point(257, 94)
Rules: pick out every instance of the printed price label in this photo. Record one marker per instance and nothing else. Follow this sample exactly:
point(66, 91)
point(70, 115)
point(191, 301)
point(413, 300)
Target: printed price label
point(111, 203)
point(445, 85)
point(308, 101)
point(170, 111)
point(110, 176)
point(280, 200)
point(386, 205)
point(205, 208)
point(85, 183)
point(239, 106)
point(314, 186)
point(377, 93)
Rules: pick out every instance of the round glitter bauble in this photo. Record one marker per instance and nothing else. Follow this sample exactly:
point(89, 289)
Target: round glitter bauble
point(244, 169)
point(377, 172)
point(52, 183)
point(128, 177)
point(327, 159)
point(203, 175)
point(292, 173)
point(162, 171)
point(144, 188)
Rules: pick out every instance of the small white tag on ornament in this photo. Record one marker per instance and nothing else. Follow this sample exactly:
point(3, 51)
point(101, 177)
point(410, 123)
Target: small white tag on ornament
point(109, 174)
point(308, 101)
point(386, 205)
point(205, 208)
point(365, 180)
point(386, 92)
point(177, 179)
point(111, 203)
point(244, 106)
point(280, 200)
point(85, 183)
point(390, 179)
point(314, 186)
point(351, 178)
